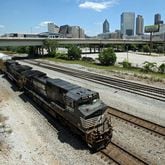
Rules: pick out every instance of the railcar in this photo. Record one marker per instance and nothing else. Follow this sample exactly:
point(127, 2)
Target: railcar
point(79, 108)
point(14, 71)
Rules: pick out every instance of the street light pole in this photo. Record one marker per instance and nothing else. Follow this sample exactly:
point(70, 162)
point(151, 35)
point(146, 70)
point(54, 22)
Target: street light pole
point(164, 43)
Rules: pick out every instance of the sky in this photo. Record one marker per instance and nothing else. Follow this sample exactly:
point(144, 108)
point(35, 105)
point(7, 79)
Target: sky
point(26, 16)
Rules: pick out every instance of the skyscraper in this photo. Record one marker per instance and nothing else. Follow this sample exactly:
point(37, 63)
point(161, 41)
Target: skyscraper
point(139, 25)
point(127, 23)
point(105, 26)
point(157, 19)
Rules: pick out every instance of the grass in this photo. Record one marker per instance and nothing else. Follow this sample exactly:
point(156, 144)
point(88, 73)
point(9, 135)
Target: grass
point(136, 72)
point(1, 64)
point(7, 52)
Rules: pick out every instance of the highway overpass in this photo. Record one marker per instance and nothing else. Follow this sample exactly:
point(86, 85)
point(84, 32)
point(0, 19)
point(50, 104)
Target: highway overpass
point(14, 41)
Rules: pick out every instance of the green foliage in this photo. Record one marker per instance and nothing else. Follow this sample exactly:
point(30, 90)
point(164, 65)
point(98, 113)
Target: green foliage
point(22, 49)
point(126, 64)
point(61, 56)
point(88, 59)
point(107, 57)
point(31, 51)
point(162, 68)
point(148, 66)
point(120, 48)
point(132, 47)
point(51, 46)
point(74, 53)
point(146, 48)
point(160, 49)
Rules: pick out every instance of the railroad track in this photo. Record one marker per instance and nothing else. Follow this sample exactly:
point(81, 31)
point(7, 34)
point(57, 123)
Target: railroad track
point(132, 87)
point(120, 156)
point(153, 128)
point(113, 151)
point(136, 121)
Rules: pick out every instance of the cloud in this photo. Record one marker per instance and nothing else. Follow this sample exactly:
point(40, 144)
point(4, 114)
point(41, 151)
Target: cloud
point(44, 23)
point(98, 6)
point(2, 26)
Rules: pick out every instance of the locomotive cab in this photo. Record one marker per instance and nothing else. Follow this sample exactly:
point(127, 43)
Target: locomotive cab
point(91, 116)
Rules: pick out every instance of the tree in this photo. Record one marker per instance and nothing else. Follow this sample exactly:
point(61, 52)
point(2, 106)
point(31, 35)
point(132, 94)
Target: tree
point(74, 53)
point(107, 57)
point(146, 48)
point(132, 47)
point(21, 49)
point(51, 46)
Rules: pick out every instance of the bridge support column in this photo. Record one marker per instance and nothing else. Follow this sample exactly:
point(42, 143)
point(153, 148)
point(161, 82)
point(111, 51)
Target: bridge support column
point(90, 49)
point(42, 51)
point(94, 49)
point(99, 49)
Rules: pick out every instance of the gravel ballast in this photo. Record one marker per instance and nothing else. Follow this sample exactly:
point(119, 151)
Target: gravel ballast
point(34, 140)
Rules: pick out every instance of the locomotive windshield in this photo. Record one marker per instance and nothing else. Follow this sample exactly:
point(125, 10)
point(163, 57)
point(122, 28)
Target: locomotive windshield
point(89, 100)
point(93, 108)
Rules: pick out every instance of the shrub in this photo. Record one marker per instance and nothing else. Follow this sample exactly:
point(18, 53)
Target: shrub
point(126, 64)
point(160, 49)
point(149, 66)
point(162, 68)
point(89, 59)
point(107, 57)
point(74, 53)
point(62, 56)
point(53, 54)
point(146, 48)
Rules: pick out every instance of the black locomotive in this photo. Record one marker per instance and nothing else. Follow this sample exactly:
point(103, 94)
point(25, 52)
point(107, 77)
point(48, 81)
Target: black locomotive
point(79, 108)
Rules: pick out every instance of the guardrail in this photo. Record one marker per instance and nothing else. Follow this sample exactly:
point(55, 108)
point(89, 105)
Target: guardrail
point(21, 41)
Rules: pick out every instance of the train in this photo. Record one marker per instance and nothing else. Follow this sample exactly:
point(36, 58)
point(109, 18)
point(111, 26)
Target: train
point(79, 108)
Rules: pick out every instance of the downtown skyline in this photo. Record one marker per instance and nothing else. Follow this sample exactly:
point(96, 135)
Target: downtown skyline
point(28, 16)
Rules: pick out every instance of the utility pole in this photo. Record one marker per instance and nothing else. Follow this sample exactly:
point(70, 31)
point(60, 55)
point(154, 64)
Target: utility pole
point(151, 44)
point(127, 53)
point(164, 43)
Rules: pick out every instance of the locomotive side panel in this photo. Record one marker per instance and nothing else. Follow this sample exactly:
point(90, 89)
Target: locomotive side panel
point(80, 108)
point(56, 90)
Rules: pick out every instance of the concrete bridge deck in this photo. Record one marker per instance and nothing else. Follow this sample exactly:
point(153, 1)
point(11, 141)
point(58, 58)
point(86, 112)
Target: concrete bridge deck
point(16, 41)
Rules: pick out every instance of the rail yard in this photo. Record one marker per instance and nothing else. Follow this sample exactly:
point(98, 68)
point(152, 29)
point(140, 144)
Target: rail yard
point(136, 112)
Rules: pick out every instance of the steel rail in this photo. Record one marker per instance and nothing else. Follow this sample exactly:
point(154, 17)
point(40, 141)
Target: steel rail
point(148, 125)
point(121, 156)
point(144, 90)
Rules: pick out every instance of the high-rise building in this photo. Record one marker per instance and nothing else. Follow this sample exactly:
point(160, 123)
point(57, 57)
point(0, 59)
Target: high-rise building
point(71, 31)
point(106, 26)
point(139, 25)
point(157, 19)
point(127, 23)
point(52, 28)
point(82, 33)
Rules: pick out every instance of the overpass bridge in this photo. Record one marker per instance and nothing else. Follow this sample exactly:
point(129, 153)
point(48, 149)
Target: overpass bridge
point(16, 41)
